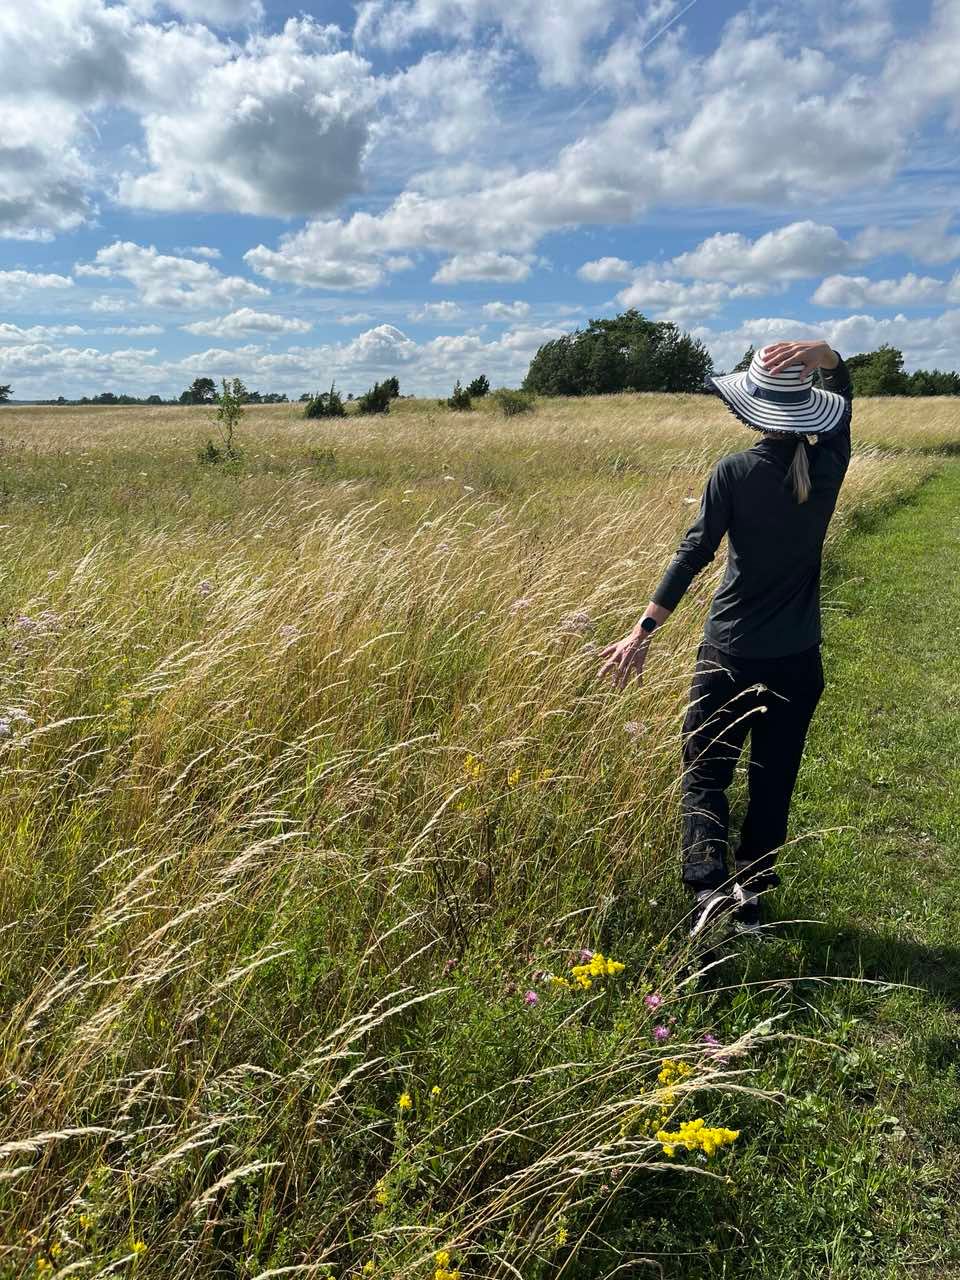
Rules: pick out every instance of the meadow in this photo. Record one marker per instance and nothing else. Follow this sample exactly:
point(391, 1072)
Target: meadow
point(322, 847)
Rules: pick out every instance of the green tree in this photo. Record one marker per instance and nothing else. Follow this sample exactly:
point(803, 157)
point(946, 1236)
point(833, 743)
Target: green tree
point(4, 394)
point(879, 373)
point(200, 391)
point(392, 387)
point(326, 404)
point(460, 400)
point(376, 400)
point(626, 353)
point(479, 387)
point(745, 361)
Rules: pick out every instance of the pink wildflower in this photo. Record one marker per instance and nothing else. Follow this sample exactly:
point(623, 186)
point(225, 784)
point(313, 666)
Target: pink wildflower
point(661, 1034)
point(531, 998)
point(653, 1001)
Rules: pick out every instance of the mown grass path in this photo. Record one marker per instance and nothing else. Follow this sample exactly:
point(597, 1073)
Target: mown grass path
point(860, 1175)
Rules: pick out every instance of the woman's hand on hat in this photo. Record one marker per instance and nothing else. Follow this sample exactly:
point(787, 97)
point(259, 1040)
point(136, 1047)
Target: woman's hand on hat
point(812, 355)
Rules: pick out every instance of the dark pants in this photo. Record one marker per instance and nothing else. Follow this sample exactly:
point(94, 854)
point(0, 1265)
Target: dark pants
point(772, 699)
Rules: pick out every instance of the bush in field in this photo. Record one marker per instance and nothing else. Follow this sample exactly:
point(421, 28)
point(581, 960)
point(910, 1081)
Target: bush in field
point(230, 404)
point(4, 393)
point(510, 403)
point(479, 387)
point(326, 404)
point(460, 400)
point(376, 400)
point(392, 387)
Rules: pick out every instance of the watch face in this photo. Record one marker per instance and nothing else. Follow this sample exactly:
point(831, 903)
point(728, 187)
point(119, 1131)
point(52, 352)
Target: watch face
point(648, 624)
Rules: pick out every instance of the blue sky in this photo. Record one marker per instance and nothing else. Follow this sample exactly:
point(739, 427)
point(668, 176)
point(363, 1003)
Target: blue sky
point(433, 188)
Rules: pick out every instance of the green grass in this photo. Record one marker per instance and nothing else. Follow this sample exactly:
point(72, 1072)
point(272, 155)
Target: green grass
point(859, 1177)
point(319, 782)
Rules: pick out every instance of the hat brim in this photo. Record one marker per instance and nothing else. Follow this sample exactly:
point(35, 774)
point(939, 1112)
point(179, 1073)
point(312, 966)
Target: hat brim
point(822, 412)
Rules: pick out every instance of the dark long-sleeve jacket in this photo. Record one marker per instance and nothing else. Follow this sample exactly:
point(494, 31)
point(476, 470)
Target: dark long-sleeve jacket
point(768, 604)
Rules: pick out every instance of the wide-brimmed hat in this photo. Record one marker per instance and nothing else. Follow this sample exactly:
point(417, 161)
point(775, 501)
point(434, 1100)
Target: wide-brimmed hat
point(786, 402)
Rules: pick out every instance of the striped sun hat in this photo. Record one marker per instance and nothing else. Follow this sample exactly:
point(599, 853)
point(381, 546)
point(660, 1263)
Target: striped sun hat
point(786, 402)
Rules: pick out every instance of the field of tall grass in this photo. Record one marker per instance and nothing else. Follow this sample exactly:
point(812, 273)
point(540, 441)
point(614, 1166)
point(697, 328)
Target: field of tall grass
point(312, 812)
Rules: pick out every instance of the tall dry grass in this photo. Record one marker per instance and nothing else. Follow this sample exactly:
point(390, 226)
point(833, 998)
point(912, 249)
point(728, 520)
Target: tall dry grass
point(306, 781)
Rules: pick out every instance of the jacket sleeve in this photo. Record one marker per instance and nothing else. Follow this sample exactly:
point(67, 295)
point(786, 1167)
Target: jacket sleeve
point(838, 380)
point(700, 542)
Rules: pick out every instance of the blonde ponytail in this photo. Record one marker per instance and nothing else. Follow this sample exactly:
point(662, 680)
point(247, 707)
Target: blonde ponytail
point(799, 473)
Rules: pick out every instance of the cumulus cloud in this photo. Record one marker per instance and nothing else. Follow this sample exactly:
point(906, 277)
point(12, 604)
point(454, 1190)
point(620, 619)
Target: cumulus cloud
point(909, 291)
point(483, 266)
point(39, 332)
point(44, 175)
point(199, 251)
point(444, 311)
point(680, 301)
point(246, 320)
point(507, 310)
point(606, 271)
point(17, 284)
point(280, 129)
point(135, 330)
point(555, 35)
point(165, 281)
point(793, 252)
point(929, 241)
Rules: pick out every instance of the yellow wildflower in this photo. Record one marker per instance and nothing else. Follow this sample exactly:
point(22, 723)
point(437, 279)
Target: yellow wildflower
point(405, 1102)
point(435, 1091)
point(138, 1247)
point(598, 966)
point(85, 1221)
point(561, 1238)
point(369, 1268)
point(473, 767)
point(559, 982)
point(383, 1193)
point(514, 776)
point(695, 1135)
point(44, 1265)
point(56, 1249)
point(442, 1257)
point(545, 775)
point(442, 1274)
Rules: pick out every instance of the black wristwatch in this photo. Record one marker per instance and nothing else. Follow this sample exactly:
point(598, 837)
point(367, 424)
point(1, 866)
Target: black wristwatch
point(648, 625)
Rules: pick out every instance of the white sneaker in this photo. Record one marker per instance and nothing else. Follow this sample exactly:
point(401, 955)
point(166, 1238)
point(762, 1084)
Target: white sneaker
point(711, 905)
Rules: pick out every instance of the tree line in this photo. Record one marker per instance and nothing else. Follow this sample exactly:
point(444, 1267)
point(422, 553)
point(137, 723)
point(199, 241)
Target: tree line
point(632, 353)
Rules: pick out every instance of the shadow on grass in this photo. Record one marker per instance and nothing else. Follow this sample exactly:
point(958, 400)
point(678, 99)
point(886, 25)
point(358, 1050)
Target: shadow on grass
point(850, 952)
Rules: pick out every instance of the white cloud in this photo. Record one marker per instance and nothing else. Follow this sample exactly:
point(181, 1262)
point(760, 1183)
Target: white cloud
point(279, 129)
point(246, 320)
point(39, 332)
point(483, 266)
point(44, 176)
point(199, 251)
point(135, 330)
point(444, 311)
point(927, 342)
point(606, 271)
point(929, 241)
point(358, 317)
point(14, 284)
point(860, 291)
point(679, 301)
point(793, 252)
point(165, 281)
point(507, 310)
point(107, 303)
point(555, 34)
point(222, 13)
point(444, 99)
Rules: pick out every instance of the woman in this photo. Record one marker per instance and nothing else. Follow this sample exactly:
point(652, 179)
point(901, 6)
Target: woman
point(758, 669)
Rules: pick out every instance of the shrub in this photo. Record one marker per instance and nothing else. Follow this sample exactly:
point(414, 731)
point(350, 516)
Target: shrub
point(229, 414)
point(326, 404)
point(376, 400)
point(392, 385)
point(510, 403)
point(460, 400)
point(479, 387)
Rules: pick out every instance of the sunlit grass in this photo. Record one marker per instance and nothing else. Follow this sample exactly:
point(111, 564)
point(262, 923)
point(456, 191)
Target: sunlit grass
point(307, 782)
